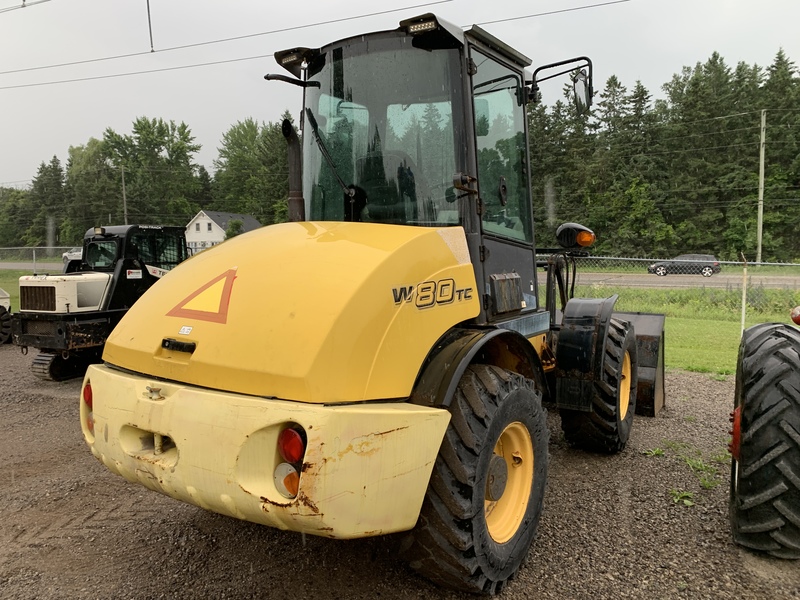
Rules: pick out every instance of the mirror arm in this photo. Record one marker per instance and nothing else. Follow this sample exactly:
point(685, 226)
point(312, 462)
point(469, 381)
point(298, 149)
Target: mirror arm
point(292, 80)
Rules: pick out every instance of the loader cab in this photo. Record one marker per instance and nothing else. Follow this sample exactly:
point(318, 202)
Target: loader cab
point(426, 126)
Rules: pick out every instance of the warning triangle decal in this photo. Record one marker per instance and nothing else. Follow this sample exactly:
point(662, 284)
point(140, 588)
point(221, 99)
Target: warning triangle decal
point(210, 302)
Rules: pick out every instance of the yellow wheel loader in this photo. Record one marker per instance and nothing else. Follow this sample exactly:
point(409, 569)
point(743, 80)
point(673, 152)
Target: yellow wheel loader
point(380, 363)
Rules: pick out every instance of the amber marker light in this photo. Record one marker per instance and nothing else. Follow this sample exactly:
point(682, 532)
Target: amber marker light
point(585, 238)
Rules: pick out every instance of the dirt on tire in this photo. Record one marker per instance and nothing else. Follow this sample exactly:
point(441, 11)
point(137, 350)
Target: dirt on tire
point(649, 522)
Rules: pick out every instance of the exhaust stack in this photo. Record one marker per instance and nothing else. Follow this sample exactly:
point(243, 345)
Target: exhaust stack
point(297, 207)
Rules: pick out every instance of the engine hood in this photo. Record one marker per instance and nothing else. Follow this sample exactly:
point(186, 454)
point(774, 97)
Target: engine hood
point(310, 311)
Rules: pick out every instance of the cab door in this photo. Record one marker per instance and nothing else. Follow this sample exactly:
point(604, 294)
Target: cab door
point(507, 248)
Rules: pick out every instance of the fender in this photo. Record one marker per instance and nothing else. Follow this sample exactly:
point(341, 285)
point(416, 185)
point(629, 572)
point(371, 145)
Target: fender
point(458, 348)
point(580, 350)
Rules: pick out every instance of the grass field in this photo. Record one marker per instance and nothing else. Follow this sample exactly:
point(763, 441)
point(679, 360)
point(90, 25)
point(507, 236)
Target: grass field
point(702, 329)
point(703, 325)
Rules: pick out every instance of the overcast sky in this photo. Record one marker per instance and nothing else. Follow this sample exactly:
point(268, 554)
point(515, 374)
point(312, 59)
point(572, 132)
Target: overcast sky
point(646, 40)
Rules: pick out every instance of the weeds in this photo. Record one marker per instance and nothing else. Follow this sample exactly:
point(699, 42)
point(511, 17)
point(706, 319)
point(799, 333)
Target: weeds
point(654, 452)
point(683, 497)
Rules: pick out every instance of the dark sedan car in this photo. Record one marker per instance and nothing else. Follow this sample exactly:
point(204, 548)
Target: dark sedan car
point(687, 264)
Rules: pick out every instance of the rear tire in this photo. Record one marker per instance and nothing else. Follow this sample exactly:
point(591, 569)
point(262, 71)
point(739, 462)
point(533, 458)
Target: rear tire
point(607, 427)
point(764, 503)
point(482, 507)
point(5, 325)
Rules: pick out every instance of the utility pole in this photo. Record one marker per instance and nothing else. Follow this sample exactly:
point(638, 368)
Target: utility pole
point(125, 206)
point(760, 225)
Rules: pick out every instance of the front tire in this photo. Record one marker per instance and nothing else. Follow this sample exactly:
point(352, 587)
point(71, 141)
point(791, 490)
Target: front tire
point(764, 502)
point(661, 271)
point(482, 507)
point(5, 325)
point(607, 427)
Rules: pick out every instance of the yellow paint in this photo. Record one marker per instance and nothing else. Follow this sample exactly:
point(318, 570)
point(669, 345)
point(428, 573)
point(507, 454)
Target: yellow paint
point(365, 471)
point(311, 316)
point(546, 356)
point(504, 516)
point(625, 386)
point(209, 300)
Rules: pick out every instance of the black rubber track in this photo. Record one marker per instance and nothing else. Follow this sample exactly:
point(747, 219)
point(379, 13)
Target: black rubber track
point(601, 430)
point(451, 544)
point(5, 325)
point(51, 366)
point(765, 481)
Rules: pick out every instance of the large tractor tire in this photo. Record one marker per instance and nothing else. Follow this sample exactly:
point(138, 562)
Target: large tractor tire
point(607, 427)
point(765, 470)
point(482, 507)
point(5, 325)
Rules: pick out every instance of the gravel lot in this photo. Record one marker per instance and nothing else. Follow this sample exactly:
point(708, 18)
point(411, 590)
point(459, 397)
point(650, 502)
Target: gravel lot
point(610, 528)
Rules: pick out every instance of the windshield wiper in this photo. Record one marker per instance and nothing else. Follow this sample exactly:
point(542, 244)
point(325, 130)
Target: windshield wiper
point(349, 191)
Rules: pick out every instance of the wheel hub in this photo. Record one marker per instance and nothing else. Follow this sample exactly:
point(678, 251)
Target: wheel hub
point(497, 479)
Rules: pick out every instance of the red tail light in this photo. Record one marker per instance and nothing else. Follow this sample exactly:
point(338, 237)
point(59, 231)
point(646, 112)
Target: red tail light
point(291, 445)
point(87, 395)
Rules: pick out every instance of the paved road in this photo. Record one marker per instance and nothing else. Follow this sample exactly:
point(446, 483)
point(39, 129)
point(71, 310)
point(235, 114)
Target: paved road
point(615, 279)
point(689, 281)
point(39, 267)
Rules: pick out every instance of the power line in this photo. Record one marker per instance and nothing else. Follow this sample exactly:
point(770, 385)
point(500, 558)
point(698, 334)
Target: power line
point(551, 12)
point(213, 63)
point(221, 41)
point(23, 5)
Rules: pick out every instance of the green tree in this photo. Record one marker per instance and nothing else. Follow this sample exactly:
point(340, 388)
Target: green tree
point(235, 227)
point(45, 208)
point(156, 161)
point(251, 171)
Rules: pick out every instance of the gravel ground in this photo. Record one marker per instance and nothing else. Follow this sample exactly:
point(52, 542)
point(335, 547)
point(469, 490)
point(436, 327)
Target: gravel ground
point(611, 527)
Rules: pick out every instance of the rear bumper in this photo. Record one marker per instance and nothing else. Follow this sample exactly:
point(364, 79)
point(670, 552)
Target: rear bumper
point(365, 471)
point(63, 332)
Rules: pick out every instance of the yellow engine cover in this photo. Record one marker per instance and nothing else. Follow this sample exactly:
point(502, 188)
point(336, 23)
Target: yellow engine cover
point(313, 312)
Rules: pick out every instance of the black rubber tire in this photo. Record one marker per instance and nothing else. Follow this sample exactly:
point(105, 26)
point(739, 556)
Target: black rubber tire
point(764, 503)
point(5, 325)
point(661, 271)
point(706, 271)
point(605, 428)
point(452, 543)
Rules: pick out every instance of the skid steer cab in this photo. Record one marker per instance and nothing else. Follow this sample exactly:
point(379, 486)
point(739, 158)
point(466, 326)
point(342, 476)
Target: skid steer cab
point(68, 316)
point(381, 363)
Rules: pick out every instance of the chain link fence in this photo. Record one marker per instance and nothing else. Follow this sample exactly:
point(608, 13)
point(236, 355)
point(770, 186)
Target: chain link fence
point(709, 270)
point(24, 257)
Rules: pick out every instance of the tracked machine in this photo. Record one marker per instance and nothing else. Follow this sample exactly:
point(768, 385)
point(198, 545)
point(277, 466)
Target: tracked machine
point(381, 363)
point(68, 316)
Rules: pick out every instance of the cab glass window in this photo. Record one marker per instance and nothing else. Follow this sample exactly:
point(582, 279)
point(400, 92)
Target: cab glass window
point(502, 154)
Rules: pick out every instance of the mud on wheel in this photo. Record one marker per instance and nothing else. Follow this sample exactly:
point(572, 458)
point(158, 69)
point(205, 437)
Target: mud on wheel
point(765, 470)
point(607, 427)
point(482, 507)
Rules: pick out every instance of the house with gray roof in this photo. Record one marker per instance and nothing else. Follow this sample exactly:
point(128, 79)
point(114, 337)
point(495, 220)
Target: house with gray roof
point(209, 228)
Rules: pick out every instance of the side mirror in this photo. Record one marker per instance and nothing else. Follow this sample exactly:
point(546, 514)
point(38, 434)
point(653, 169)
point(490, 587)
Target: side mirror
point(581, 75)
point(582, 87)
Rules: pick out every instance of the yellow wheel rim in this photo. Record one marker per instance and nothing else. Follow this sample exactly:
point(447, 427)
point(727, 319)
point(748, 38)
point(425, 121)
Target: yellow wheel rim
point(625, 386)
point(504, 515)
